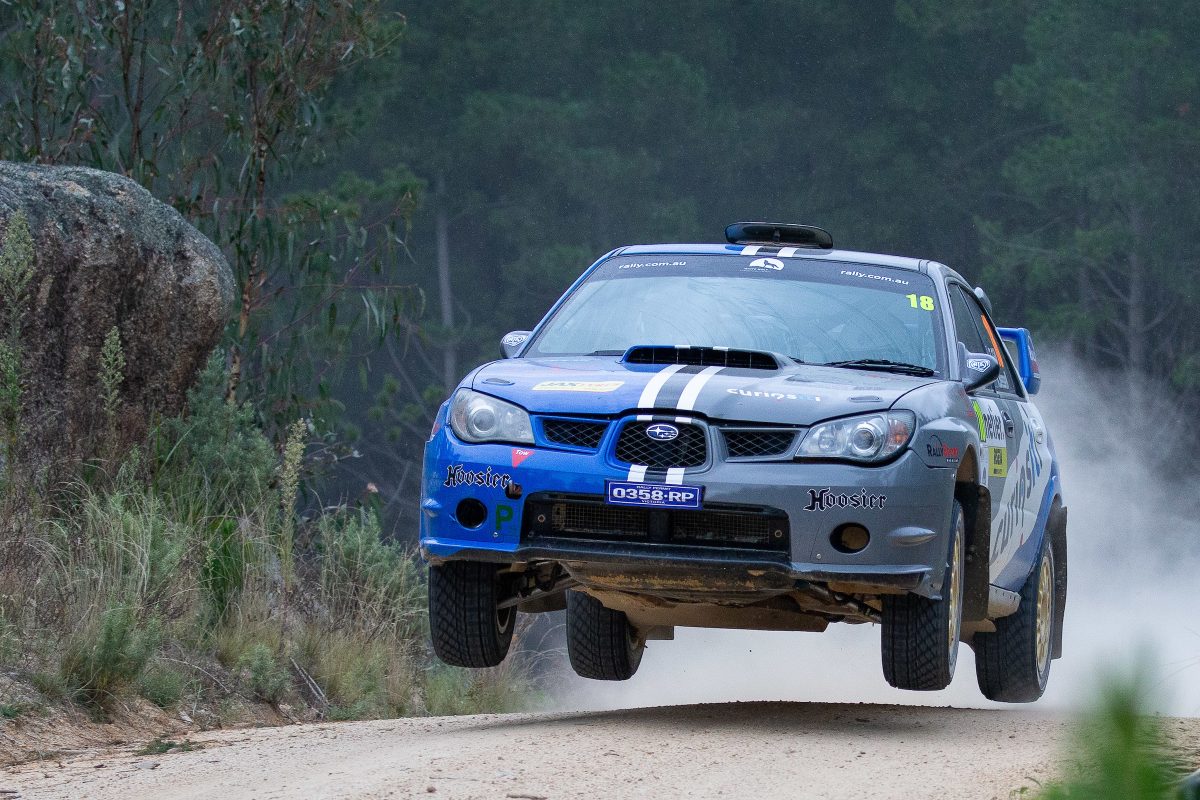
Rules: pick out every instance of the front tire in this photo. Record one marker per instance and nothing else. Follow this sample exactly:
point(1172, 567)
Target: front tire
point(465, 624)
point(1012, 665)
point(920, 636)
point(601, 643)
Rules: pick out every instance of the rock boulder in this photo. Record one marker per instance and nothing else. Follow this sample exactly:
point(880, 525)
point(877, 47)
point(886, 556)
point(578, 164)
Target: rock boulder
point(107, 253)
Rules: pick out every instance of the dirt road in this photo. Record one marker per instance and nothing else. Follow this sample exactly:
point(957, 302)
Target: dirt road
point(756, 750)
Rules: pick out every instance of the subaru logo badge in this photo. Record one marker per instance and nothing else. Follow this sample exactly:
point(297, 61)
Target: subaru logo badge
point(662, 432)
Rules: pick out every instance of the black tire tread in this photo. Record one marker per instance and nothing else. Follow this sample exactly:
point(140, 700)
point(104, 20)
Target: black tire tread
point(598, 640)
point(1006, 661)
point(462, 615)
point(913, 636)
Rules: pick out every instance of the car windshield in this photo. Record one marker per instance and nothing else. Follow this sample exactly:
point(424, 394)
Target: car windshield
point(815, 311)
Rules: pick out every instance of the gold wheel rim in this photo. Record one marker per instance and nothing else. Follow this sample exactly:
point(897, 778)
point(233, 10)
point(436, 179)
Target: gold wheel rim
point(1045, 607)
point(953, 629)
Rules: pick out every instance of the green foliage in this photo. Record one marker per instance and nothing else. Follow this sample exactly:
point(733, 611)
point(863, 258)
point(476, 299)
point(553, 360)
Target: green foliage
point(1121, 753)
point(215, 456)
point(157, 747)
point(223, 571)
point(16, 270)
point(162, 685)
point(264, 674)
point(112, 374)
point(213, 107)
point(369, 585)
point(289, 489)
point(494, 691)
point(13, 710)
point(108, 656)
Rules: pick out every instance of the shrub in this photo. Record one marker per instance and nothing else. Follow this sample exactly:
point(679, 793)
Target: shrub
point(1122, 752)
point(162, 685)
point(264, 674)
point(215, 457)
point(108, 657)
point(368, 585)
point(222, 573)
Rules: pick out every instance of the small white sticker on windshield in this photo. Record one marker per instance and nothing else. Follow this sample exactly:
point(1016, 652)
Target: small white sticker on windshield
point(853, 273)
point(640, 264)
point(765, 263)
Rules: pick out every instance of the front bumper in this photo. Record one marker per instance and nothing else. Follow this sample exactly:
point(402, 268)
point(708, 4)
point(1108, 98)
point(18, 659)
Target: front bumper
point(908, 525)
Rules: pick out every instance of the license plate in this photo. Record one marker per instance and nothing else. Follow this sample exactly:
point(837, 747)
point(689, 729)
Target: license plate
point(656, 495)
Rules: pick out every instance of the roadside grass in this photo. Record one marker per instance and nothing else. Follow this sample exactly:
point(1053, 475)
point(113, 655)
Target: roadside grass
point(182, 570)
point(158, 747)
point(1121, 751)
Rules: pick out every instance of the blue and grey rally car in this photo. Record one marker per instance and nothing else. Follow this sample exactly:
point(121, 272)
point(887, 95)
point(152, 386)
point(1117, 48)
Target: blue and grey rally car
point(767, 434)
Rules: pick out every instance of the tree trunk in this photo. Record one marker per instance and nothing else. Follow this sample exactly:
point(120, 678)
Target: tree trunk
point(442, 225)
point(1137, 346)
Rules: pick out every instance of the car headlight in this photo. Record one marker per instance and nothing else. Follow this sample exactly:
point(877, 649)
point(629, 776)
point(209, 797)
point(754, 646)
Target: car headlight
point(869, 438)
point(476, 417)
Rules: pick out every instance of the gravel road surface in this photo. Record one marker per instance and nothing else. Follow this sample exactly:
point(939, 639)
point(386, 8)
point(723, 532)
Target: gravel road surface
point(754, 750)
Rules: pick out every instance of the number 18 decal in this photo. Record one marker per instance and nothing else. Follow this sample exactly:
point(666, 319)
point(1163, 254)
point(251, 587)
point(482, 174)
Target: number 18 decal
point(923, 302)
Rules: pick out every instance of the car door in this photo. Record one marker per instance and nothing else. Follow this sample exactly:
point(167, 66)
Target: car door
point(1004, 430)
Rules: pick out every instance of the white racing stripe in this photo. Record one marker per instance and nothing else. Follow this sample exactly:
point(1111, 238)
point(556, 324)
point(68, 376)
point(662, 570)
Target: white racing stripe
point(787, 252)
point(675, 475)
point(750, 249)
point(654, 386)
point(637, 472)
point(687, 400)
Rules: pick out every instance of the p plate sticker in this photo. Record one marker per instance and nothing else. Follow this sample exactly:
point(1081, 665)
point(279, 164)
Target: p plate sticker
point(658, 495)
point(578, 386)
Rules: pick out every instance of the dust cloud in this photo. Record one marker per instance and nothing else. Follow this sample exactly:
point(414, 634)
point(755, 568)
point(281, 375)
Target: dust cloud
point(1134, 592)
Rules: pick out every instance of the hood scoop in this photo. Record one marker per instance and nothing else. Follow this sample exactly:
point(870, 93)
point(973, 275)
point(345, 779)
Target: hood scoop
point(701, 356)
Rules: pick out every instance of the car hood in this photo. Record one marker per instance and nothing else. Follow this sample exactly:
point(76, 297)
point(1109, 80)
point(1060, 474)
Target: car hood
point(604, 385)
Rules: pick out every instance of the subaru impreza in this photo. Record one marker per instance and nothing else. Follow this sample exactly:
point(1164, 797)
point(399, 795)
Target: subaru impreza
point(768, 433)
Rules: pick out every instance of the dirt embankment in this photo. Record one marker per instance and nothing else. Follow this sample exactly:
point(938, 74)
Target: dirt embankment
point(760, 750)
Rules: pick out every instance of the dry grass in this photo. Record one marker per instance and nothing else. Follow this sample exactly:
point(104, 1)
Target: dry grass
point(182, 574)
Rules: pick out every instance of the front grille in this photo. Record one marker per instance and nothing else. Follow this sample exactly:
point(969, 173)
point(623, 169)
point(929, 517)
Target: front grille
point(758, 443)
point(688, 449)
point(583, 517)
point(749, 530)
point(574, 433)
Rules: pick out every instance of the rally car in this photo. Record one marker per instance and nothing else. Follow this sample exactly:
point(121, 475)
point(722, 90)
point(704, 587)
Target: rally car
point(768, 434)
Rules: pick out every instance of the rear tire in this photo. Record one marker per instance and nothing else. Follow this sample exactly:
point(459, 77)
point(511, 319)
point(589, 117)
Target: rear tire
point(1012, 665)
point(601, 643)
point(466, 627)
point(920, 637)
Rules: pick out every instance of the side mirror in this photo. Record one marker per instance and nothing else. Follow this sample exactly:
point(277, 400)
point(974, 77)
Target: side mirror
point(979, 369)
point(512, 343)
point(1019, 344)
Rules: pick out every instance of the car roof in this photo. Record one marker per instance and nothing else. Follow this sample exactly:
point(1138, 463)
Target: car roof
point(848, 256)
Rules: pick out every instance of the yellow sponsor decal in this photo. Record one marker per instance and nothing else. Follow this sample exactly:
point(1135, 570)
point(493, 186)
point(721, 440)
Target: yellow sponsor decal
point(998, 462)
point(578, 386)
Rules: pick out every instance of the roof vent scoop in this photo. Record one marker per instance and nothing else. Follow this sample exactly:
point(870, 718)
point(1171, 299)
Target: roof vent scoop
point(781, 234)
point(701, 356)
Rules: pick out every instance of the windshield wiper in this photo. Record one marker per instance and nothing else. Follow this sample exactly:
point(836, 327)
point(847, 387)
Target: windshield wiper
point(882, 365)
